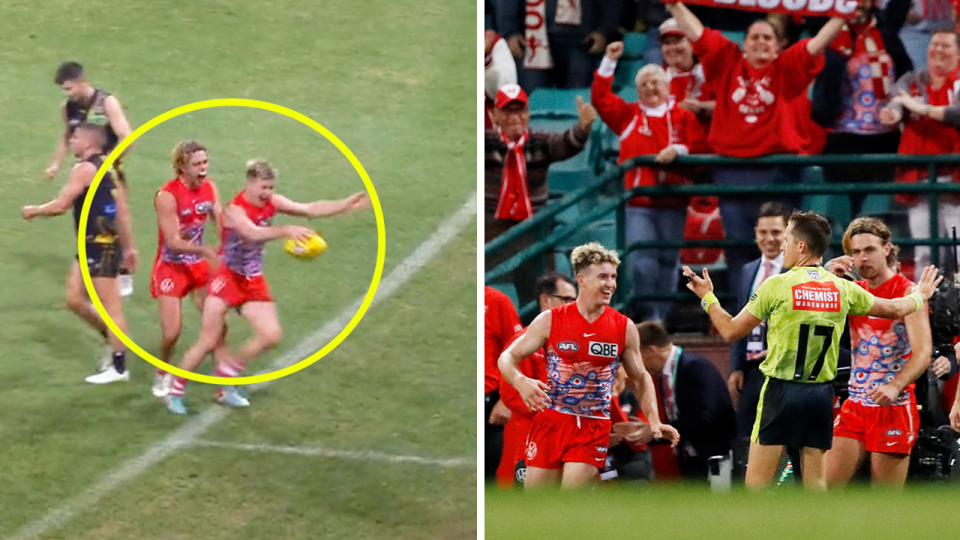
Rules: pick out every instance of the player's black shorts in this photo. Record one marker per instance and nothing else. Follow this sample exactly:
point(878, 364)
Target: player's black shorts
point(795, 415)
point(103, 259)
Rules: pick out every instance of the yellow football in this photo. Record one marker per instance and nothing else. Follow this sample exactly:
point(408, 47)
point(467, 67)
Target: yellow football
point(310, 248)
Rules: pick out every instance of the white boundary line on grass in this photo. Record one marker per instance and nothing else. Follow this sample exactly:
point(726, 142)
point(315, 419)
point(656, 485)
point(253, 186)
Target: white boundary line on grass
point(196, 427)
point(352, 455)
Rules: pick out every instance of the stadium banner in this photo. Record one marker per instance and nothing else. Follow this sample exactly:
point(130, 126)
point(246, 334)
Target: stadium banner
point(844, 9)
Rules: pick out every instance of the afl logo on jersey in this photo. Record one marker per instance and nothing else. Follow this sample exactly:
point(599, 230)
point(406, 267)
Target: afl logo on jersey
point(204, 207)
point(606, 350)
point(568, 346)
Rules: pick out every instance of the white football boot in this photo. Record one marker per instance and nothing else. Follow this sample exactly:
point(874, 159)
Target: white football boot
point(109, 376)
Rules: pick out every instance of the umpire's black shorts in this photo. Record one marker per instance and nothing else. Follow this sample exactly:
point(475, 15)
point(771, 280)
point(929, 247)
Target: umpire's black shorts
point(103, 260)
point(793, 414)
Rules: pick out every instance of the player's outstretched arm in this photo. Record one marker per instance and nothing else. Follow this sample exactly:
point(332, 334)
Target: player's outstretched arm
point(80, 177)
point(731, 328)
point(899, 308)
point(317, 209)
point(125, 228)
point(236, 218)
point(641, 383)
point(921, 350)
point(118, 120)
point(532, 391)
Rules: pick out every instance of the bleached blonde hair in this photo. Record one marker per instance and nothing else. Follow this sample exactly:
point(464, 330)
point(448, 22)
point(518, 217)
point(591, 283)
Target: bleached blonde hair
point(260, 169)
point(592, 253)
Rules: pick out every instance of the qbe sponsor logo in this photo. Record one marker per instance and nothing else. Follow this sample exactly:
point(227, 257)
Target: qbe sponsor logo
point(605, 350)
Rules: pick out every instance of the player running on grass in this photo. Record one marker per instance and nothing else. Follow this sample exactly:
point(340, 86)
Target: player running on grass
point(806, 307)
point(108, 230)
point(88, 104)
point(183, 264)
point(586, 341)
point(239, 282)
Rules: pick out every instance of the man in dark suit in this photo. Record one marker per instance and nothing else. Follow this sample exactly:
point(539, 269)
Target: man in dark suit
point(745, 380)
point(692, 397)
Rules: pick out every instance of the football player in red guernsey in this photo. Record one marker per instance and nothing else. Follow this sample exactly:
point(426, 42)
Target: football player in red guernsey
point(239, 283)
point(183, 262)
point(586, 341)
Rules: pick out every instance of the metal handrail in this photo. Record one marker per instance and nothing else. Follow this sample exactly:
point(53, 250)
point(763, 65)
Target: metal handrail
point(618, 201)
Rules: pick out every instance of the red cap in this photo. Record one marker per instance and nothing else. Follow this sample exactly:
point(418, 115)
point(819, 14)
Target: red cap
point(509, 93)
point(670, 28)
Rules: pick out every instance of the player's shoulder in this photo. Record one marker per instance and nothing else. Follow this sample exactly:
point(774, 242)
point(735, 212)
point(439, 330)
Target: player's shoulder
point(170, 186)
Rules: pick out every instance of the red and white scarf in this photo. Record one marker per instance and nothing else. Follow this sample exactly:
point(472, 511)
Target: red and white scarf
point(869, 42)
point(537, 55)
point(514, 202)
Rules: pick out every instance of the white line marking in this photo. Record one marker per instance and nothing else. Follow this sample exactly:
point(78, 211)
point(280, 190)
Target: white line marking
point(353, 455)
point(196, 427)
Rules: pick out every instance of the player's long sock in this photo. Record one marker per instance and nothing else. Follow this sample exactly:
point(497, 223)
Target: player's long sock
point(179, 387)
point(229, 368)
point(119, 361)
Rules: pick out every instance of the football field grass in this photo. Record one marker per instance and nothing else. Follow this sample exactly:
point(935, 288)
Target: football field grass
point(689, 513)
point(376, 440)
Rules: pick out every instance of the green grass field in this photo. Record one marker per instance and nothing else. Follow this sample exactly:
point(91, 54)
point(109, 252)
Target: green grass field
point(687, 513)
point(370, 422)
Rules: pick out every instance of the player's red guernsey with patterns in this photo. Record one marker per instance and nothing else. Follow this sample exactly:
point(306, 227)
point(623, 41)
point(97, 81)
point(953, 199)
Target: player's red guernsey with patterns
point(582, 360)
point(243, 256)
point(879, 347)
point(194, 206)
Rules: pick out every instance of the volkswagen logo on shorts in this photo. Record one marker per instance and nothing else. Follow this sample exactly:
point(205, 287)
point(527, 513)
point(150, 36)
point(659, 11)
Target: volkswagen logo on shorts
point(567, 346)
point(531, 450)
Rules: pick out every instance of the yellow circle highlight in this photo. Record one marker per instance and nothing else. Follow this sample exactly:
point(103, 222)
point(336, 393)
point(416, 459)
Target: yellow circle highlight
point(255, 104)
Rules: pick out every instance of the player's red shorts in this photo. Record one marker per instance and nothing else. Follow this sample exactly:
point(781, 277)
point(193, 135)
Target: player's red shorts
point(557, 438)
point(238, 289)
point(178, 279)
point(890, 430)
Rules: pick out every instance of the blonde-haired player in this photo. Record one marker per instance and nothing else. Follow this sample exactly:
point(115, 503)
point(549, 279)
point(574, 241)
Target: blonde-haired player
point(239, 283)
point(183, 263)
point(586, 341)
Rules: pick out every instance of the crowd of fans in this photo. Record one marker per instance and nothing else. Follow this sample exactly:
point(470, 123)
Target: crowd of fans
point(884, 81)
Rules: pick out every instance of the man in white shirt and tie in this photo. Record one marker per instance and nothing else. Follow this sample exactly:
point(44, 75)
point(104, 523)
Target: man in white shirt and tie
point(745, 380)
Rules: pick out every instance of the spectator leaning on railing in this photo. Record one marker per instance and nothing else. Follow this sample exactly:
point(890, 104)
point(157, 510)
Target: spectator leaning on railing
point(753, 115)
point(516, 161)
point(654, 126)
point(861, 67)
point(926, 100)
